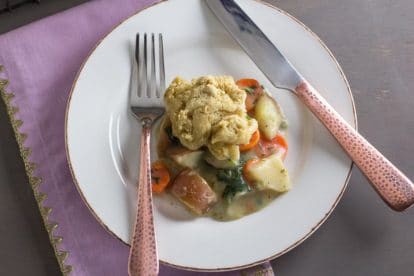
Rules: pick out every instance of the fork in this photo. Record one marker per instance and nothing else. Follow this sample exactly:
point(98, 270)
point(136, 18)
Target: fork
point(146, 106)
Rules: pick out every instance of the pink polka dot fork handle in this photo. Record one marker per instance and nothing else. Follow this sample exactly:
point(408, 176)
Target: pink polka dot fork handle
point(391, 184)
point(143, 258)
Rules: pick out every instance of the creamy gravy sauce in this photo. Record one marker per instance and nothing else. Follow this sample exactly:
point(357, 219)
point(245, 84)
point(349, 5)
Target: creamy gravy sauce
point(241, 205)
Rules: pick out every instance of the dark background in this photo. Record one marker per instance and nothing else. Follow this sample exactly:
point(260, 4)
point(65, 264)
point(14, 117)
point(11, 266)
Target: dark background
point(373, 41)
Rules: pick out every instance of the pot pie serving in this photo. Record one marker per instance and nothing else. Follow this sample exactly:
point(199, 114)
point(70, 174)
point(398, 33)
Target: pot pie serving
point(221, 147)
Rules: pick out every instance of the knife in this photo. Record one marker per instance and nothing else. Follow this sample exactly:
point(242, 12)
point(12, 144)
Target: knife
point(391, 184)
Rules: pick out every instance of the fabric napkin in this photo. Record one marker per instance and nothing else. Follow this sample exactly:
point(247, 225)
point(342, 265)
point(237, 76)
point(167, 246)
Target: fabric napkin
point(40, 62)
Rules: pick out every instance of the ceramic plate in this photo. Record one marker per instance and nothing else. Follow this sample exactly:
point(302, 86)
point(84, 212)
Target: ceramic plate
point(103, 137)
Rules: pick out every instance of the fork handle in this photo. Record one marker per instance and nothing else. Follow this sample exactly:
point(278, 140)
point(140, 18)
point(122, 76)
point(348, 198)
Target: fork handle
point(392, 185)
point(143, 259)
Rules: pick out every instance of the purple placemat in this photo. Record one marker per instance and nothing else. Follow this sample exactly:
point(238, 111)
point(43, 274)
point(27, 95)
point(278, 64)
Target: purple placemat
point(40, 62)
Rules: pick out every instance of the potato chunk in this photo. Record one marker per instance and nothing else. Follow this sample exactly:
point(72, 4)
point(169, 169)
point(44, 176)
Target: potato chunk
point(269, 174)
point(268, 115)
point(184, 157)
point(219, 164)
point(191, 189)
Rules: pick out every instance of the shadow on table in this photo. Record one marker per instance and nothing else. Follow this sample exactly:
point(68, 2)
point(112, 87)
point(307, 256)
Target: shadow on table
point(24, 242)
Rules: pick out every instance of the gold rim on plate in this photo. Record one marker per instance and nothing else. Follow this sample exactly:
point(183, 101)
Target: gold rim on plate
point(313, 229)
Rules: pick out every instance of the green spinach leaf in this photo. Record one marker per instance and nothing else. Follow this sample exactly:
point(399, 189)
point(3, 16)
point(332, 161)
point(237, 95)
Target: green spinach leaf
point(235, 183)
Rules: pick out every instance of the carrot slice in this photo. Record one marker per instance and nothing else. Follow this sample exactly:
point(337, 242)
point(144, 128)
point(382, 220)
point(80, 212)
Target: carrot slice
point(265, 148)
point(253, 91)
point(281, 140)
point(247, 83)
point(160, 177)
point(246, 169)
point(252, 143)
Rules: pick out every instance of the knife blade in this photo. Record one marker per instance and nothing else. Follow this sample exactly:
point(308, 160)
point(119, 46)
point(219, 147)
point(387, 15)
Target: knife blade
point(256, 44)
point(391, 184)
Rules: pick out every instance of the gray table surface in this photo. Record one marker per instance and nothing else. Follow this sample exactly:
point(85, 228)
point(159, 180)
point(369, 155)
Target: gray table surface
point(374, 43)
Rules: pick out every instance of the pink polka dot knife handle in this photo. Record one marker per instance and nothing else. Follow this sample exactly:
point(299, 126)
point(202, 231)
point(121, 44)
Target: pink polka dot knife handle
point(143, 259)
point(393, 186)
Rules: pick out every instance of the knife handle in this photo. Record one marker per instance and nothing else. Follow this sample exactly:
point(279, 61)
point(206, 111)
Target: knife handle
point(393, 186)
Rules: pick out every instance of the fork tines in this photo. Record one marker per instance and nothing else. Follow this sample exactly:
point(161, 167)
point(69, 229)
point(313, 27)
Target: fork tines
point(149, 62)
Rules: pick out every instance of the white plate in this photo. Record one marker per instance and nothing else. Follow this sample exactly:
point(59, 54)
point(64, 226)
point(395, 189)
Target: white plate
point(103, 138)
